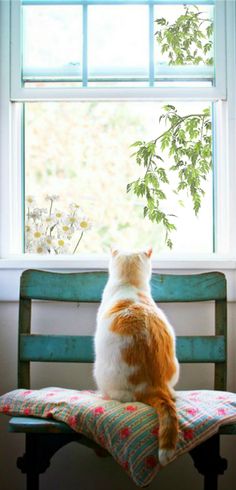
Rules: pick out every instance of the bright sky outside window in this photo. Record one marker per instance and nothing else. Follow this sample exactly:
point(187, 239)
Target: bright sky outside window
point(118, 46)
point(80, 152)
point(52, 46)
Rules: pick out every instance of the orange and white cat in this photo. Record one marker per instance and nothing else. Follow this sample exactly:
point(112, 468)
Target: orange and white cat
point(135, 356)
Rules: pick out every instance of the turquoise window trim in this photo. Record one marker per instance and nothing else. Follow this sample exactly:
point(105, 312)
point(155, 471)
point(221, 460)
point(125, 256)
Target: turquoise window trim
point(85, 47)
point(118, 2)
point(214, 180)
point(151, 47)
point(23, 175)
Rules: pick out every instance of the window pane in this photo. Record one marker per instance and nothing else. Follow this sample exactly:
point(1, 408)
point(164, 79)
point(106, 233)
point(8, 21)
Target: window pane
point(80, 151)
point(52, 45)
point(184, 44)
point(118, 43)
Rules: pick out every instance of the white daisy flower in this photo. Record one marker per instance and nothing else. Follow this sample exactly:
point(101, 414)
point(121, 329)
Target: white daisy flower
point(41, 248)
point(52, 197)
point(38, 234)
point(64, 230)
point(37, 213)
point(61, 246)
point(84, 224)
point(49, 242)
point(29, 228)
point(75, 206)
point(50, 220)
point(71, 220)
point(58, 214)
point(30, 201)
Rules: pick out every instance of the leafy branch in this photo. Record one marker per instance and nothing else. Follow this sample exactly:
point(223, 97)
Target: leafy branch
point(188, 40)
point(187, 142)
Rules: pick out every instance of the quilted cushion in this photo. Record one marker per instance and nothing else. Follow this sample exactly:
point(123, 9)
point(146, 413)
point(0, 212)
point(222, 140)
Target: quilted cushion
point(129, 431)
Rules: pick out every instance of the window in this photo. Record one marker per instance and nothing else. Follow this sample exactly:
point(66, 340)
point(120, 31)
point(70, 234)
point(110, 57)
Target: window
point(89, 78)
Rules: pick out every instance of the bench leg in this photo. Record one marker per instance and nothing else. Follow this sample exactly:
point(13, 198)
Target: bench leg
point(32, 481)
point(33, 462)
point(39, 449)
point(207, 460)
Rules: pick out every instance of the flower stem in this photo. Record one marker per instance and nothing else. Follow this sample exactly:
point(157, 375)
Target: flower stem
point(80, 238)
point(50, 210)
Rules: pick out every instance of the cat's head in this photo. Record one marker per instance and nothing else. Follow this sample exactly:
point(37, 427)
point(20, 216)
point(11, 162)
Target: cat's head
point(131, 267)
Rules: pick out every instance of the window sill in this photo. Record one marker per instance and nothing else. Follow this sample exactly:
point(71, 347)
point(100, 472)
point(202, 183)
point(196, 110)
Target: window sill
point(11, 268)
point(90, 262)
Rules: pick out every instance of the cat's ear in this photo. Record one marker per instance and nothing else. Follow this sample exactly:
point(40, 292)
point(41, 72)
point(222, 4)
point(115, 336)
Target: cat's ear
point(148, 252)
point(114, 252)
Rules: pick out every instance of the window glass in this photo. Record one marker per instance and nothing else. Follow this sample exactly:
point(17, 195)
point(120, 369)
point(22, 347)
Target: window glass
point(118, 45)
point(79, 154)
point(118, 42)
point(184, 48)
point(52, 42)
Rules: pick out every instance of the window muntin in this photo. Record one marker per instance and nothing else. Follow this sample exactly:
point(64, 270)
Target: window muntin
point(112, 45)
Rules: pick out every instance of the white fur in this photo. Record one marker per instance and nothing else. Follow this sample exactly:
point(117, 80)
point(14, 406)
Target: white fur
point(110, 370)
point(165, 456)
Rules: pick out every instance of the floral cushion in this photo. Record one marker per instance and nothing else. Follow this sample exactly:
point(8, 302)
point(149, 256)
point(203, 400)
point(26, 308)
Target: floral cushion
point(129, 431)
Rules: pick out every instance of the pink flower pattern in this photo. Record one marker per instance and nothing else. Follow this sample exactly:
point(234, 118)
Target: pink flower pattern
point(155, 431)
point(6, 408)
point(125, 432)
point(188, 434)
point(72, 421)
point(27, 411)
point(192, 411)
point(151, 461)
point(48, 415)
point(128, 431)
point(131, 408)
point(74, 398)
point(99, 410)
point(222, 411)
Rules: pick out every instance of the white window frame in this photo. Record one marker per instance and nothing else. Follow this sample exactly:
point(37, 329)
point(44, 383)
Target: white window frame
point(216, 92)
point(10, 147)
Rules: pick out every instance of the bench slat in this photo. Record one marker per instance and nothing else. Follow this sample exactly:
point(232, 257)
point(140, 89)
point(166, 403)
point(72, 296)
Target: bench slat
point(73, 348)
point(88, 286)
point(33, 424)
point(188, 288)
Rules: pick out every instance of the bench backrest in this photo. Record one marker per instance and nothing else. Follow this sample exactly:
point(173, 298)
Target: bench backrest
point(88, 287)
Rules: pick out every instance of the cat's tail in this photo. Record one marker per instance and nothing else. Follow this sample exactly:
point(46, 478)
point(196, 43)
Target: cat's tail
point(165, 406)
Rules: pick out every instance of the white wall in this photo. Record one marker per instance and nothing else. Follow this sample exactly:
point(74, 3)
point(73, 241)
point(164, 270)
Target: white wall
point(76, 467)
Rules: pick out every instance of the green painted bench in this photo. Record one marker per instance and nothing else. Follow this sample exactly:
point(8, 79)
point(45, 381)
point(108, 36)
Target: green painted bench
point(45, 437)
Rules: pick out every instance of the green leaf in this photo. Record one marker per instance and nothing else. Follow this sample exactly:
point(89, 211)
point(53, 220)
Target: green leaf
point(188, 39)
point(188, 139)
point(169, 107)
point(169, 243)
point(137, 143)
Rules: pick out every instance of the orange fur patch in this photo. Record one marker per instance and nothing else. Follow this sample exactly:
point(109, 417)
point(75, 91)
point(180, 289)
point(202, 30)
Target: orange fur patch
point(119, 306)
point(165, 406)
point(152, 351)
point(152, 348)
point(129, 268)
